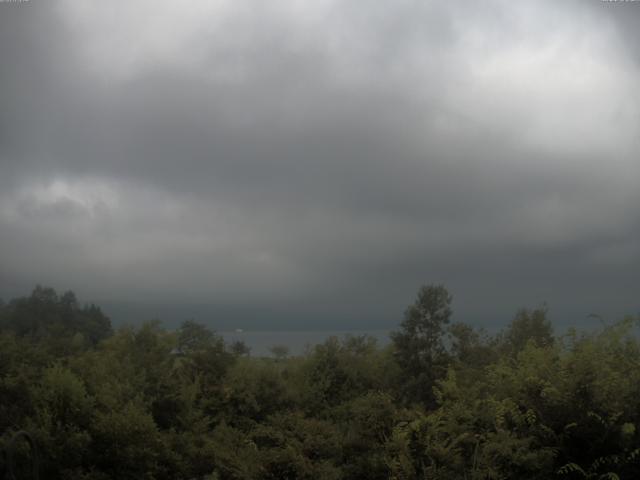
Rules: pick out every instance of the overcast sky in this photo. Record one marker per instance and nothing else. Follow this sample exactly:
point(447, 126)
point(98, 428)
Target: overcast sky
point(309, 164)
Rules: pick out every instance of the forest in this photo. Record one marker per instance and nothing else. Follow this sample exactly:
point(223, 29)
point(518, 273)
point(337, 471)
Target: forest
point(442, 401)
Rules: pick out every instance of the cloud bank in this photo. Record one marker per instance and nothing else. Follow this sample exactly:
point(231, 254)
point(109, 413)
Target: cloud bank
point(310, 164)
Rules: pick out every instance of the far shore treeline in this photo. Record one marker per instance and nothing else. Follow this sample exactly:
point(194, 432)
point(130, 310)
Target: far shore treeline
point(442, 400)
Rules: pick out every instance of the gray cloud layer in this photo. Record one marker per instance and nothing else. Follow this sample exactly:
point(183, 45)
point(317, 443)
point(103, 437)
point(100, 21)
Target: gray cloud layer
point(312, 163)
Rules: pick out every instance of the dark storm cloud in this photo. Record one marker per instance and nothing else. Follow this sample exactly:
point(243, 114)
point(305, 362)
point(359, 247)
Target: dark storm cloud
point(328, 158)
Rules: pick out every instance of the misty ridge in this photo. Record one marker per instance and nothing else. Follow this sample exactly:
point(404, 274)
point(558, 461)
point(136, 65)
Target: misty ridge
point(265, 209)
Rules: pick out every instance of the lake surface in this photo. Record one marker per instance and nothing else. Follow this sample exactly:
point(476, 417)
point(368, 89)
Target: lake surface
point(297, 341)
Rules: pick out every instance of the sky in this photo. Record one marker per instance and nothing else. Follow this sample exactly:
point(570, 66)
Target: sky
point(309, 165)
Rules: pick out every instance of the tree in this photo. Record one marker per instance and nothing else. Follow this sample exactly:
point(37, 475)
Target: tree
point(205, 356)
point(194, 336)
point(240, 349)
point(419, 348)
point(528, 326)
point(57, 318)
point(280, 352)
point(470, 347)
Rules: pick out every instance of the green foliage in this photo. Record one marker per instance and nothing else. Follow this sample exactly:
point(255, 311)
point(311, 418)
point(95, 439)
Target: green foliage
point(528, 326)
point(127, 442)
point(337, 371)
point(58, 318)
point(419, 345)
point(280, 351)
point(255, 389)
point(366, 424)
point(443, 401)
